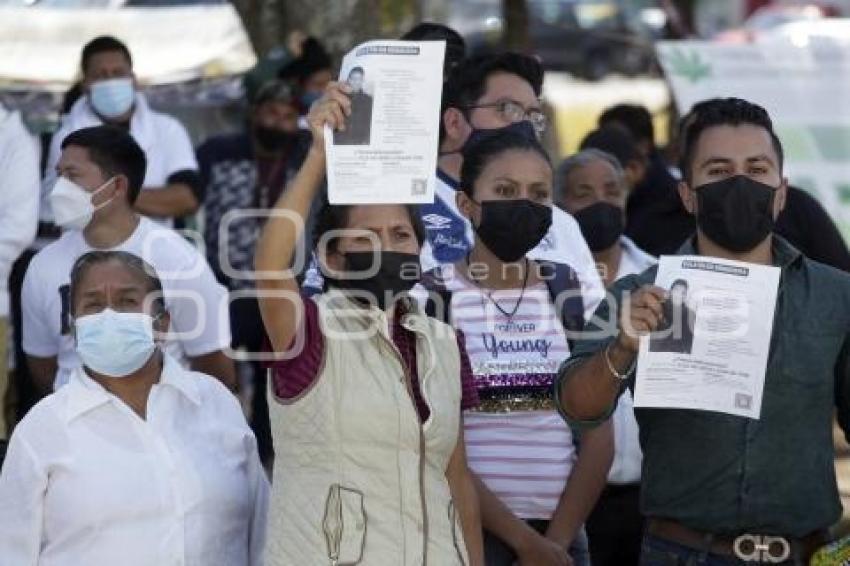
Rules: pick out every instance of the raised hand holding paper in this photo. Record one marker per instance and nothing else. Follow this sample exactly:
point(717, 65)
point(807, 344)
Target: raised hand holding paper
point(710, 351)
point(387, 152)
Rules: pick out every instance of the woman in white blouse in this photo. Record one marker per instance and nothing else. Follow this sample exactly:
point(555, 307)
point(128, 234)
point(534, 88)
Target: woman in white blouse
point(136, 461)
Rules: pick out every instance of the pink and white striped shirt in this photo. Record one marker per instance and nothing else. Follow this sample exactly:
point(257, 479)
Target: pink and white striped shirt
point(524, 457)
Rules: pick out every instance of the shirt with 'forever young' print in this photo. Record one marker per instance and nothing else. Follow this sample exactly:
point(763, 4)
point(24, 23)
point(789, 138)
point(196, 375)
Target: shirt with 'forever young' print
point(523, 456)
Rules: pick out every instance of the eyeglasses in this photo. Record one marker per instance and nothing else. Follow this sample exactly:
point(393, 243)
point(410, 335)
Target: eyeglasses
point(513, 111)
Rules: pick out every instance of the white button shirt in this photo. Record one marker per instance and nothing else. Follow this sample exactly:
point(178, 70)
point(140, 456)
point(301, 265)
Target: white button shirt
point(87, 482)
point(628, 457)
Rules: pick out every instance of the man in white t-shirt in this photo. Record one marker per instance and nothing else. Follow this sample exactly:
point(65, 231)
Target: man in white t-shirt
point(172, 183)
point(591, 185)
point(100, 175)
point(483, 94)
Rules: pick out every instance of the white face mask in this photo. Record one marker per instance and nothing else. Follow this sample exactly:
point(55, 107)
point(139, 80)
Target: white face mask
point(71, 204)
point(114, 343)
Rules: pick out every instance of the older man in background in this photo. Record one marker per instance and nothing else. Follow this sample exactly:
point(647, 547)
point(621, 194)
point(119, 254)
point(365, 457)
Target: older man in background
point(592, 186)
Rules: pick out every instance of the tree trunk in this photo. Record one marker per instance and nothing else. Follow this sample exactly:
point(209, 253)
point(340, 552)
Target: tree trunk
point(515, 16)
point(338, 24)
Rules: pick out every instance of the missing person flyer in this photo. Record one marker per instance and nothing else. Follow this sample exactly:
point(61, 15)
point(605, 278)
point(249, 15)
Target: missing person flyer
point(387, 152)
point(710, 350)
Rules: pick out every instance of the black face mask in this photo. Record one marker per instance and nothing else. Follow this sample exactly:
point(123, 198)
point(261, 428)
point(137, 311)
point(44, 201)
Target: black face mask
point(601, 225)
point(272, 138)
point(511, 228)
point(523, 128)
point(397, 273)
point(736, 213)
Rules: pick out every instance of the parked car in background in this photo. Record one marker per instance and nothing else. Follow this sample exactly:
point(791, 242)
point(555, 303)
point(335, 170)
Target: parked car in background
point(588, 38)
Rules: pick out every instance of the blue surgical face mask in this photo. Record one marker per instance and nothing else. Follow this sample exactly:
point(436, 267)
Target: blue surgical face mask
point(113, 97)
point(115, 344)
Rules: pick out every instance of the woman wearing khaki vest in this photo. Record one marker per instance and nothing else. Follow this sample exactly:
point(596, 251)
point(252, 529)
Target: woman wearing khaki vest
point(370, 466)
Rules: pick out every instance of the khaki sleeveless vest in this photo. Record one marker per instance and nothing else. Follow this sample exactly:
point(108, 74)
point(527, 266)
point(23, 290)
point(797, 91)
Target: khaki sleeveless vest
point(357, 479)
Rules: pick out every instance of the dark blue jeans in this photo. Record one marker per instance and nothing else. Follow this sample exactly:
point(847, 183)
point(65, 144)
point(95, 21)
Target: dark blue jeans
point(660, 552)
point(497, 553)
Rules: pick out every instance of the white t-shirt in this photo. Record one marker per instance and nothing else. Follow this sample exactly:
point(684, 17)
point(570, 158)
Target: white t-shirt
point(87, 482)
point(165, 141)
point(447, 229)
point(198, 304)
point(627, 454)
point(524, 457)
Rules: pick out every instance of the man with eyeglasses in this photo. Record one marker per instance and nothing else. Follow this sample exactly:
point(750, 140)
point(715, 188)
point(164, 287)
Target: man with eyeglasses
point(482, 96)
point(717, 489)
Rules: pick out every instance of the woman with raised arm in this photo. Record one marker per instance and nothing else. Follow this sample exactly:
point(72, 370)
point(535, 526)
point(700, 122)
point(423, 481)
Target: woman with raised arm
point(370, 466)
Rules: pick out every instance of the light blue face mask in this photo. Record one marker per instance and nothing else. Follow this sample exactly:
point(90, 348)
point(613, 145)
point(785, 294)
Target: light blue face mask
point(115, 344)
point(113, 97)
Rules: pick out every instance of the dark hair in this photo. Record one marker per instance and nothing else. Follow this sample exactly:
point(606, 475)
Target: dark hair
point(314, 58)
point(71, 96)
point(633, 117)
point(688, 119)
point(132, 262)
point(102, 44)
point(455, 44)
point(357, 70)
point(335, 217)
point(467, 82)
point(680, 283)
point(115, 152)
point(274, 91)
point(723, 112)
point(616, 140)
point(479, 155)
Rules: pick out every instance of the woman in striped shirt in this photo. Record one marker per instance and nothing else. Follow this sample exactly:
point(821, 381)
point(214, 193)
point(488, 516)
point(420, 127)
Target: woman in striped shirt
point(535, 487)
